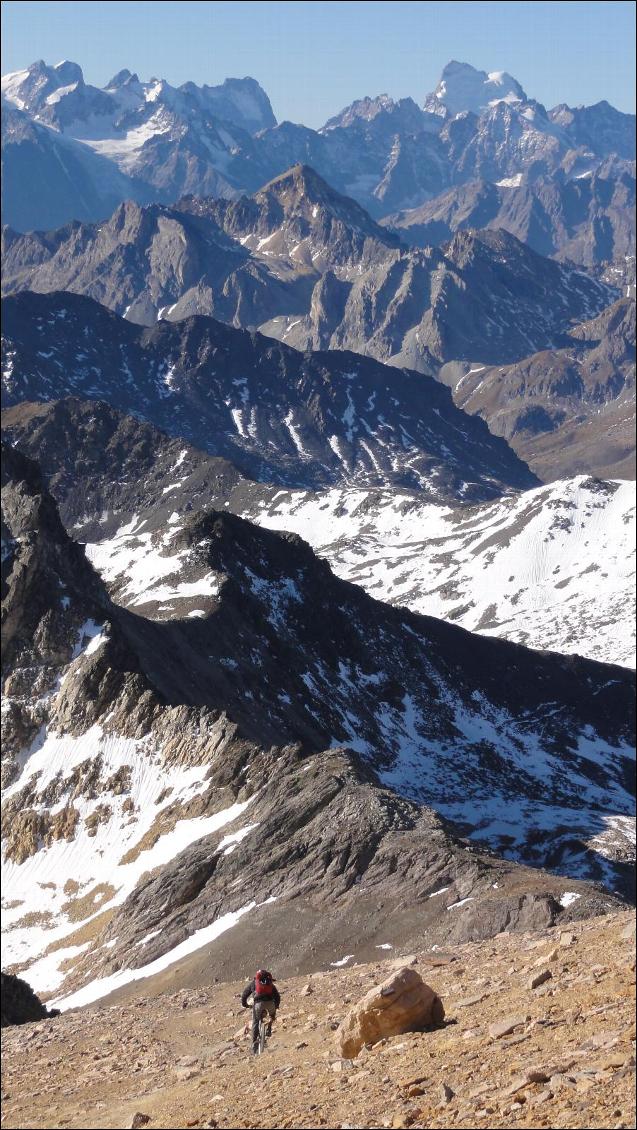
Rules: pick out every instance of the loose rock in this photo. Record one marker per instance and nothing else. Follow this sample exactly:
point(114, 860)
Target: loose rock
point(503, 1027)
point(540, 978)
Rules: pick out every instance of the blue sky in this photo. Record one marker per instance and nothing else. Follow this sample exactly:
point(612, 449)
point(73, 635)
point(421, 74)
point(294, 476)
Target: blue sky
point(315, 58)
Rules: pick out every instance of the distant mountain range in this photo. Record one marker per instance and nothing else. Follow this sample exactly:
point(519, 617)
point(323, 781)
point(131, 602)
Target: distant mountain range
point(223, 336)
point(309, 267)
point(312, 268)
point(149, 141)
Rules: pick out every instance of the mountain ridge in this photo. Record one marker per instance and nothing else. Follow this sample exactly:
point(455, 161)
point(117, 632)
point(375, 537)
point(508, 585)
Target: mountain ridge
point(550, 567)
point(288, 666)
point(306, 275)
point(292, 418)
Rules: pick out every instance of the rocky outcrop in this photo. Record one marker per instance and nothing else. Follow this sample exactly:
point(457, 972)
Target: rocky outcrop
point(51, 602)
point(401, 1003)
point(20, 1005)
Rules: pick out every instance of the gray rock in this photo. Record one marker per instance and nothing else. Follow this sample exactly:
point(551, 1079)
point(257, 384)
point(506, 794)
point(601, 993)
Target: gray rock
point(446, 1093)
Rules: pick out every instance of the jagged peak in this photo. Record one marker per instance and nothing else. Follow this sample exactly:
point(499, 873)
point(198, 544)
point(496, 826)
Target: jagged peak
point(122, 78)
point(302, 177)
point(454, 66)
point(367, 109)
point(301, 185)
point(247, 80)
point(38, 66)
point(69, 72)
point(242, 101)
point(495, 238)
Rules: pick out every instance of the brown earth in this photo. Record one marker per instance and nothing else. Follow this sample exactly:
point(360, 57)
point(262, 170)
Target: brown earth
point(539, 1032)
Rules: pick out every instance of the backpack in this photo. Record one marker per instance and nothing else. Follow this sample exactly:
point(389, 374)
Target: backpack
point(263, 984)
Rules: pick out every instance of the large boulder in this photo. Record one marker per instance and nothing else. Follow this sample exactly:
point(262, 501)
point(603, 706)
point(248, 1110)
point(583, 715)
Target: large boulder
point(20, 1005)
point(403, 1003)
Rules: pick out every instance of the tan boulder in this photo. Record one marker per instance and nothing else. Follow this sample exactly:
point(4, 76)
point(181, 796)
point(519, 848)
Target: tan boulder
point(403, 1003)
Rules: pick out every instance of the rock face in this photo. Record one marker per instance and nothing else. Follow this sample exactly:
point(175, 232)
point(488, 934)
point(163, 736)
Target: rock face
point(402, 1003)
point(292, 419)
point(586, 220)
point(20, 1005)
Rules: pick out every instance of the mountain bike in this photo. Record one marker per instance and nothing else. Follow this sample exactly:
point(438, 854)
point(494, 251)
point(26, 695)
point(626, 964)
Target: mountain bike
point(264, 1024)
point(264, 1029)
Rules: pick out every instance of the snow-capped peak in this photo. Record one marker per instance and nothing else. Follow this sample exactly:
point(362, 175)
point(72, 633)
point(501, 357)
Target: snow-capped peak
point(41, 88)
point(464, 89)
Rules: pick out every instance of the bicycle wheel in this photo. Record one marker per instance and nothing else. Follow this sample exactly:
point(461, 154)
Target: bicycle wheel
point(263, 1033)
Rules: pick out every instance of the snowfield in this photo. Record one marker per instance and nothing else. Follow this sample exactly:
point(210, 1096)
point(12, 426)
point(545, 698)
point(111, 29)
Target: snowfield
point(39, 894)
point(552, 568)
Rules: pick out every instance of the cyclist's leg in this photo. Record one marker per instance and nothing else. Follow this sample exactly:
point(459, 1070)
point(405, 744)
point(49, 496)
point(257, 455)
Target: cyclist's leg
point(271, 1009)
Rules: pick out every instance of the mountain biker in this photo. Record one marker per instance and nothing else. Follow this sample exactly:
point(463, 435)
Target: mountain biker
point(265, 1001)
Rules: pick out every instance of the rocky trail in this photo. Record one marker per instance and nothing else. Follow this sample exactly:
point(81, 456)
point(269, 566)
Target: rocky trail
point(539, 1032)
